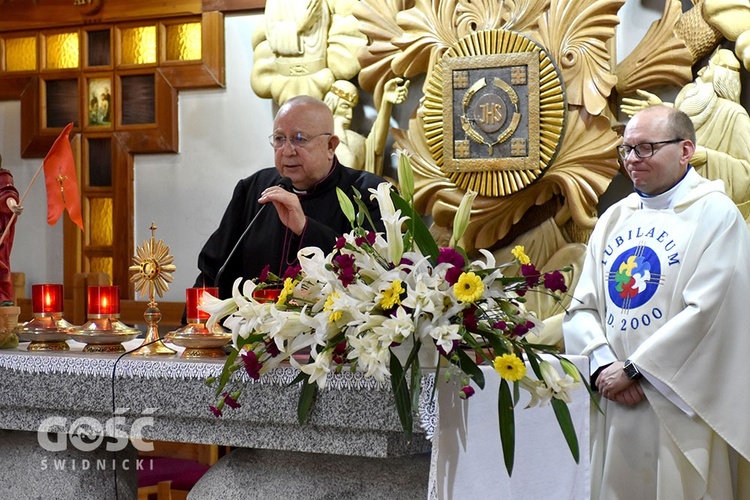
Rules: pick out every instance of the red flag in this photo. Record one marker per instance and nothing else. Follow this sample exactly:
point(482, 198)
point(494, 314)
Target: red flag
point(61, 181)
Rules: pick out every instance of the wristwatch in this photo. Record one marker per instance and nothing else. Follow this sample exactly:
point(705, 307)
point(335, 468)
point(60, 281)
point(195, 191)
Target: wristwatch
point(631, 371)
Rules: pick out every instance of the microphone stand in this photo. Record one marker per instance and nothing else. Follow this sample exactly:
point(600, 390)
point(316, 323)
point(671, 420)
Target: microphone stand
point(284, 182)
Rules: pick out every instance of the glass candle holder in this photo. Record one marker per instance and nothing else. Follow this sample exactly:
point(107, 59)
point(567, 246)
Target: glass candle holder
point(47, 299)
point(103, 301)
point(193, 300)
point(268, 294)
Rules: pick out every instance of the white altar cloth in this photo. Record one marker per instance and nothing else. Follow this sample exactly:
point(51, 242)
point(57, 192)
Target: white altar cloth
point(469, 461)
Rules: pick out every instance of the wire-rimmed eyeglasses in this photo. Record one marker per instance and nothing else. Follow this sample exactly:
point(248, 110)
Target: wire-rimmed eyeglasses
point(298, 140)
point(644, 149)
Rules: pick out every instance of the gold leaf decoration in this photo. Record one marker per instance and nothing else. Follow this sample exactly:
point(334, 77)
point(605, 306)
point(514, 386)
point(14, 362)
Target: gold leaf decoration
point(428, 31)
point(377, 20)
point(523, 15)
point(576, 35)
point(660, 57)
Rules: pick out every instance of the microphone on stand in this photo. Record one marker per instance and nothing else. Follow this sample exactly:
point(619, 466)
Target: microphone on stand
point(284, 182)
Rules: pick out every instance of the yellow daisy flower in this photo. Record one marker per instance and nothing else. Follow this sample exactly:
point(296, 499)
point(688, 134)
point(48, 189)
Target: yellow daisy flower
point(328, 306)
point(510, 367)
point(288, 290)
point(519, 252)
point(469, 287)
point(392, 295)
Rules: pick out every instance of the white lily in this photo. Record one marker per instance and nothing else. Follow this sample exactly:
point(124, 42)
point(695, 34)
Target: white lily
point(463, 214)
point(444, 336)
point(318, 369)
point(372, 356)
point(405, 175)
point(383, 197)
point(560, 385)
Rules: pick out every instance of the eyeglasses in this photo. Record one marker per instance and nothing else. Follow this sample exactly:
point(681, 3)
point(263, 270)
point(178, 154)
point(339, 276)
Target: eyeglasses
point(298, 140)
point(644, 149)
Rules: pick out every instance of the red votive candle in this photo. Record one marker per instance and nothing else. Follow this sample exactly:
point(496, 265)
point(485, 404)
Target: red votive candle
point(47, 299)
point(193, 300)
point(270, 294)
point(104, 301)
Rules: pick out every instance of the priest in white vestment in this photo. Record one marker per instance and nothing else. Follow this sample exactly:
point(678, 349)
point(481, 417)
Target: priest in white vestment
point(662, 311)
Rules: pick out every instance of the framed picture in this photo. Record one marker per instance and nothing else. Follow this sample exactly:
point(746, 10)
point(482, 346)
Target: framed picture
point(100, 110)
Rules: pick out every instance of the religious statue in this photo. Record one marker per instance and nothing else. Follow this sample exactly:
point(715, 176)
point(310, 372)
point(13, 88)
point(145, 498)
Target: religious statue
point(303, 46)
point(732, 19)
point(9, 211)
point(722, 125)
point(355, 150)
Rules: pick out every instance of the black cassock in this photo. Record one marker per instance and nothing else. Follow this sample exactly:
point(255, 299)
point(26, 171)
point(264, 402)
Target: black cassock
point(271, 243)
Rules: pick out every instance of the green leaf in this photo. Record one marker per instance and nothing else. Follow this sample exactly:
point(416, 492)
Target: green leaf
point(422, 236)
point(534, 362)
point(566, 425)
point(362, 209)
point(507, 425)
point(416, 382)
point(346, 205)
point(469, 367)
point(306, 398)
point(401, 394)
point(226, 372)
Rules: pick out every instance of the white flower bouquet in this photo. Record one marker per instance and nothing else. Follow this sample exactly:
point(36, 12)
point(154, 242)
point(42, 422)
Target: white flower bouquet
point(352, 307)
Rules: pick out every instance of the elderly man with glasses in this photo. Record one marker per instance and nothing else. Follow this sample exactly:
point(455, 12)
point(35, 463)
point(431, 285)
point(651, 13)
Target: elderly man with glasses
point(661, 310)
point(266, 223)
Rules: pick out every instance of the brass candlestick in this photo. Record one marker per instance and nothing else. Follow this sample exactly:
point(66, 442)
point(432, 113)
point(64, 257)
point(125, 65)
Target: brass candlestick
point(153, 270)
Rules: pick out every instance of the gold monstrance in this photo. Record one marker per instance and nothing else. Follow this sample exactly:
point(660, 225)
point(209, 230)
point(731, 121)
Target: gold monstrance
point(153, 270)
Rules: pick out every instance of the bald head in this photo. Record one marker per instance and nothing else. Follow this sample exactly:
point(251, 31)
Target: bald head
point(308, 106)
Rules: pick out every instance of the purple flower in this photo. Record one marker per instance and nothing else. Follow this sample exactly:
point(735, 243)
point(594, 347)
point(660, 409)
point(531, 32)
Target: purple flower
point(470, 317)
point(264, 274)
point(291, 271)
point(452, 275)
point(520, 330)
point(466, 392)
point(271, 348)
point(340, 242)
point(555, 281)
point(500, 325)
point(344, 265)
point(368, 238)
point(215, 411)
point(252, 365)
point(340, 348)
point(230, 401)
point(531, 274)
point(451, 256)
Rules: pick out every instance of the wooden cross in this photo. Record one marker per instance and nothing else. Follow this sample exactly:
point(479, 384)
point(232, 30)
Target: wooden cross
point(42, 110)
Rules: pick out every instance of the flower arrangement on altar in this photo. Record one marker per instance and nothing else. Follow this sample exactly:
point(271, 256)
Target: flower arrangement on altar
point(378, 302)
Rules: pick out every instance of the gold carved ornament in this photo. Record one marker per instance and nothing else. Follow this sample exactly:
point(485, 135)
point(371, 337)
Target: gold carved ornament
point(573, 169)
point(152, 272)
point(484, 121)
